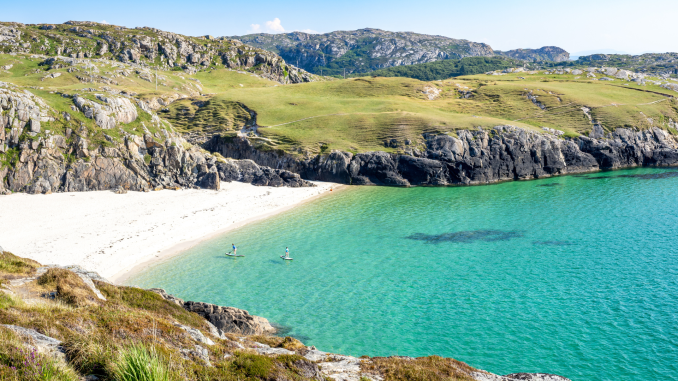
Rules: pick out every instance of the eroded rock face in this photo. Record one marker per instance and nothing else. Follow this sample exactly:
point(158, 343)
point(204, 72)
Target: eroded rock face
point(225, 319)
point(475, 157)
point(230, 319)
point(249, 172)
point(108, 114)
point(54, 163)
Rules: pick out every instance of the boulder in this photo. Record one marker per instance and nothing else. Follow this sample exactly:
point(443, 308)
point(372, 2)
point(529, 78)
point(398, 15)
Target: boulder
point(195, 334)
point(230, 319)
point(211, 180)
point(42, 344)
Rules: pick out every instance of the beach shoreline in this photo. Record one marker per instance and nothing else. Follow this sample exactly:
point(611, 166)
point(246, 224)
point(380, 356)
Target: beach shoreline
point(119, 235)
point(123, 277)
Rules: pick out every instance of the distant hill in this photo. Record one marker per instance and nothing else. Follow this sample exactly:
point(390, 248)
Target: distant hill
point(665, 64)
point(547, 53)
point(432, 71)
point(145, 47)
point(365, 50)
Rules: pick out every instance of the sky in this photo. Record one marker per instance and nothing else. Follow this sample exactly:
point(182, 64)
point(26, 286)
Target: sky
point(577, 26)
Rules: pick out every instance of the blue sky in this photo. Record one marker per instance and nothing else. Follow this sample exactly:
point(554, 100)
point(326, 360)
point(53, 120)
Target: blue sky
point(575, 25)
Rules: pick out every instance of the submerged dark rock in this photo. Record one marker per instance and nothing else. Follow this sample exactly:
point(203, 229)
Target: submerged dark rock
point(550, 185)
point(641, 176)
point(468, 236)
point(553, 243)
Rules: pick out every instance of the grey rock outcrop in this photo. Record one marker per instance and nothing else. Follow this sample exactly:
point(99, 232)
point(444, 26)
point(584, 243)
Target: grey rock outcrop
point(248, 171)
point(42, 344)
point(108, 113)
point(87, 277)
point(225, 319)
point(230, 319)
point(51, 162)
point(84, 39)
point(475, 157)
point(195, 334)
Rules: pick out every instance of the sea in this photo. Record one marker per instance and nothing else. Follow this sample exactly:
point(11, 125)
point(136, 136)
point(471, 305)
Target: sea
point(574, 275)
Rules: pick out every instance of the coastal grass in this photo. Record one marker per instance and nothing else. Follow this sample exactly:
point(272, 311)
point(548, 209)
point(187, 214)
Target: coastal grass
point(432, 368)
point(138, 363)
point(16, 266)
point(70, 288)
point(21, 362)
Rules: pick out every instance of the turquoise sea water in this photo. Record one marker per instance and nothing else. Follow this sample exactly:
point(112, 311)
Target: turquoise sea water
point(576, 276)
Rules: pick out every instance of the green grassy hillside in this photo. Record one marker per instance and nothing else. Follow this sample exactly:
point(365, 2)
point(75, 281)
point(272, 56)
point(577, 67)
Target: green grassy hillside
point(357, 114)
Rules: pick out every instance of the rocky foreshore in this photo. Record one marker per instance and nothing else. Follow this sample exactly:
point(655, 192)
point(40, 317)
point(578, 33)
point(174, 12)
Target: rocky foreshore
point(217, 337)
point(473, 157)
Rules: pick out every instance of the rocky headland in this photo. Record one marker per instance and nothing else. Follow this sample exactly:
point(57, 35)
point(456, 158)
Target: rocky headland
point(473, 157)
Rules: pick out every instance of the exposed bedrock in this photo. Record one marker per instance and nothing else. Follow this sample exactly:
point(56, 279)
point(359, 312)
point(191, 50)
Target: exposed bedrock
point(473, 157)
point(137, 164)
point(225, 319)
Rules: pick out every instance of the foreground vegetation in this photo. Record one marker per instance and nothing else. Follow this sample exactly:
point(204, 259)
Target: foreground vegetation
point(136, 335)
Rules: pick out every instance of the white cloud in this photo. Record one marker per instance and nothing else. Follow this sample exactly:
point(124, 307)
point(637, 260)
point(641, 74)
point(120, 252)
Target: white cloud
point(105, 22)
point(274, 26)
point(309, 31)
point(255, 28)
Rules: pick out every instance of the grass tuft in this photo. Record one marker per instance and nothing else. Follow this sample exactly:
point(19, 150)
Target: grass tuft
point(136, 363)
point(10, 263)
point(70, 288)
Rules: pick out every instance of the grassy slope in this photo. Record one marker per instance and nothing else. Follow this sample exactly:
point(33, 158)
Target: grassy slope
point(359, 114)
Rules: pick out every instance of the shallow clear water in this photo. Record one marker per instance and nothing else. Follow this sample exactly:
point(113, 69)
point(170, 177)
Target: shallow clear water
point(578, 279)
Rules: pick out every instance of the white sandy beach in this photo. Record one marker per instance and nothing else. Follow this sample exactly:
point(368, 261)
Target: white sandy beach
point(115, 234)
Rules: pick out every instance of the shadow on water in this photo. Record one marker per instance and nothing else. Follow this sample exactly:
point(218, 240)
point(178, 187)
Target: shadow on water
point(550, 185)
point(643, 176)
point(468, 236)
point(553, 243)
point(284, 330)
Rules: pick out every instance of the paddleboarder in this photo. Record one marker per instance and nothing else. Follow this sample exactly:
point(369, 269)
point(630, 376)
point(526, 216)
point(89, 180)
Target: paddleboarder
point(287, 252)
point(234, 249)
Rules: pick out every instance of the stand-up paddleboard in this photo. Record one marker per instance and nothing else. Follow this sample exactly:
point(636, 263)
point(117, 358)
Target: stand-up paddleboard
point(233, 255)
point(287, 259)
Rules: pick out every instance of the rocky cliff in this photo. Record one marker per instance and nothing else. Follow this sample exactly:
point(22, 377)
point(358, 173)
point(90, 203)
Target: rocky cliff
point(365, 50)
point(145, 47)
point(474, 157)
point(44, 151)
